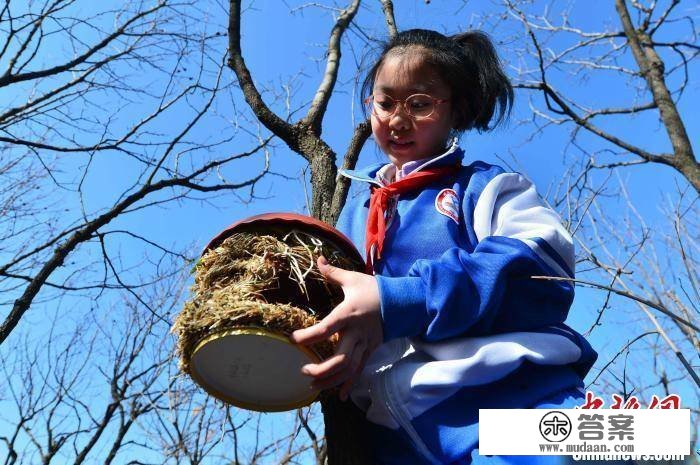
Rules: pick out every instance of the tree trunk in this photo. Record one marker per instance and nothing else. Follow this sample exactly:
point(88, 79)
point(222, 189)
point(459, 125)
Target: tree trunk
point(346, 441)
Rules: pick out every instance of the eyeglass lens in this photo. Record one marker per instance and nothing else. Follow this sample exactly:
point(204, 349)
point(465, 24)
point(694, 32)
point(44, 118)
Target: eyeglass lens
point(418, 105)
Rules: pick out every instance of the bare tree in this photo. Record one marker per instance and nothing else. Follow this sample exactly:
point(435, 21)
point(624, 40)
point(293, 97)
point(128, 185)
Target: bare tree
point(545, 58)
point(646, 273)
point(51, 399)
point(92, 90)
point(541, 58)
point(133, 87)
point(342, 420)
point(99, 102)
point(304, 136)
point(106, 389)
point(605, 51)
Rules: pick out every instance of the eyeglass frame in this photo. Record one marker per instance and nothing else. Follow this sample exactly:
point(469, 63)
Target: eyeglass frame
point(403, 103)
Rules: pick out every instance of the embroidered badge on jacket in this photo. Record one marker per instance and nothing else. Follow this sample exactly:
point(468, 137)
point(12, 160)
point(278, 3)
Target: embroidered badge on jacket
point(446, 203)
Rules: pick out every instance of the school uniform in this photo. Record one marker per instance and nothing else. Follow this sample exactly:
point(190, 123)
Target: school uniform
point(465, 327)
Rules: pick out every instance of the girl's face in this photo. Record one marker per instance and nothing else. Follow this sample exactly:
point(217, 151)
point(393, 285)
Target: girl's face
point(402, 137)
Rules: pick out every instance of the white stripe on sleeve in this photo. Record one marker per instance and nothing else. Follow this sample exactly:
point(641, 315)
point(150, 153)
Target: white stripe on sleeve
point(509, 206)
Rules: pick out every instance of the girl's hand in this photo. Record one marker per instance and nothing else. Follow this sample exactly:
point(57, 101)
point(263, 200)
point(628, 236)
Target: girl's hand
point(358, 320)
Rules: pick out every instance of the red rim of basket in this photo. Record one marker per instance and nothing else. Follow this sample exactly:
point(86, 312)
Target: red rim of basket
point(302, 222)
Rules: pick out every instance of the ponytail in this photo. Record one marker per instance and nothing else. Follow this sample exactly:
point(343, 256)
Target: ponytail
point(490, 92)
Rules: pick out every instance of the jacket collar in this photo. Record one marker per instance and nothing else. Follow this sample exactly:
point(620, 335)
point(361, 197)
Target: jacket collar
point(453, 155)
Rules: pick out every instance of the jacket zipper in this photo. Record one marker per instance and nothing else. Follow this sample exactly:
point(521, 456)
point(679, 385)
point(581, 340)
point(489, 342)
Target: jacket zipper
point(403, 421)
point(453, 147)
point(357, 178)
point(450, 151)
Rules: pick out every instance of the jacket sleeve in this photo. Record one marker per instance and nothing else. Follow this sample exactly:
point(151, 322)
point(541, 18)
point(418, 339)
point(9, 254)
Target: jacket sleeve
point(489, 290)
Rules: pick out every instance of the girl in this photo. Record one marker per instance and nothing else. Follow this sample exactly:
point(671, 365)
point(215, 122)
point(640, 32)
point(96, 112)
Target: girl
point(450, 320)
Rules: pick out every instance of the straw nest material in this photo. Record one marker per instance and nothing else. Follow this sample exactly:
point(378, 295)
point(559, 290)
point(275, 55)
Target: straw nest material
point(269, 281)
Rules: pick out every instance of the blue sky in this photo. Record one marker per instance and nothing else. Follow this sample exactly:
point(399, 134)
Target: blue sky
point(284, 49)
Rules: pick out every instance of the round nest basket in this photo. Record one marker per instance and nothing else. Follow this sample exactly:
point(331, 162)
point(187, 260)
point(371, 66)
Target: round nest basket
point(255, 283)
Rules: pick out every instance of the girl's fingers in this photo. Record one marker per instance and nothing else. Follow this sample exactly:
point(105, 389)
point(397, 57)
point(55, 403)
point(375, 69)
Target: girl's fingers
point(332, 273)
point(328, 367)
point(342, 376)
point(331, 381)
point(322, 330)
point(359, 359)
point(334, 364)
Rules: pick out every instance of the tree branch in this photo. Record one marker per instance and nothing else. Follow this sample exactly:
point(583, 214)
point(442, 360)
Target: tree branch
point(652, 69)
point(314, 117)
point(88, 230)
point(267, 117)
point(342, 185)
point(388, 8)
point(9, 78)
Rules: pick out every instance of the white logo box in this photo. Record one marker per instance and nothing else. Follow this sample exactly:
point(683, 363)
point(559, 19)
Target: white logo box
point(517, 432)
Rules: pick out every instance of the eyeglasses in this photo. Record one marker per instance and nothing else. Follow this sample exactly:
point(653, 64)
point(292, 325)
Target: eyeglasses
point(418, 106)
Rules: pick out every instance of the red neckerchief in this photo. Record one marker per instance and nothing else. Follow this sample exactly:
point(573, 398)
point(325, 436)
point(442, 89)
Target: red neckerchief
point(376, 224)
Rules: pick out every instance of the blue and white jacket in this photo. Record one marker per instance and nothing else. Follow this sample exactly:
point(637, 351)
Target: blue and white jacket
point(465, 327)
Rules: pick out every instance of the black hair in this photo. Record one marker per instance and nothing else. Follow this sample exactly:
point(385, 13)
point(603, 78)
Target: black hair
point(468, 64)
